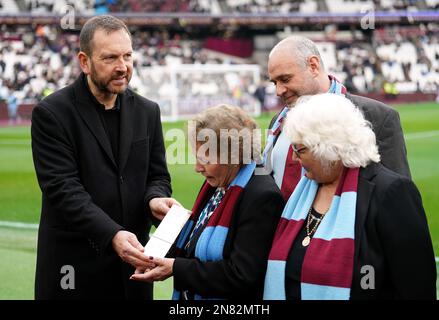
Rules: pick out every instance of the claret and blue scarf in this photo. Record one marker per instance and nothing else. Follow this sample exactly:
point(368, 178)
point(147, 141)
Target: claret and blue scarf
point(292, 169)
point(210, 244)
point(329, 260)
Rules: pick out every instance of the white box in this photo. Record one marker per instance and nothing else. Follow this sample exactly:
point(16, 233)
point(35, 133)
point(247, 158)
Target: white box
point(167, 231)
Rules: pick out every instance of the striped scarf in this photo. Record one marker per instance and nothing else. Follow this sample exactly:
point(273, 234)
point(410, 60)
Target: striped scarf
point(273, 133)
point(210, 244)
point(291, 168)
point(327, 268)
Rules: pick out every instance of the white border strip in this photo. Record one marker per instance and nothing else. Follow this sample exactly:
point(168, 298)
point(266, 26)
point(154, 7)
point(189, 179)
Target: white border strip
point(421, 135)
point(19, 225)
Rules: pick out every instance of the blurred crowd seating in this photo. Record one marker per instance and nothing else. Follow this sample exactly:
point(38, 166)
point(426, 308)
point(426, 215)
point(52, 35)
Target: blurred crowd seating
point(36, 62)
point(216, 6)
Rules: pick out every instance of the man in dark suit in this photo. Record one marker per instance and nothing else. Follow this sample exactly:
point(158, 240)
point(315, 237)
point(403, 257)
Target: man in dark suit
point(296, 69)
point(100, 161)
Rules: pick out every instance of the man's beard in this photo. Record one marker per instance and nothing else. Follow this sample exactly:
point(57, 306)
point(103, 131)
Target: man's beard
point(104, 86)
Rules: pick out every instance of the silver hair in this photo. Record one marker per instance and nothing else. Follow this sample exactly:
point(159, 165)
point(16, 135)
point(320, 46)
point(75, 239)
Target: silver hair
point(333, 129)
point(300, 47)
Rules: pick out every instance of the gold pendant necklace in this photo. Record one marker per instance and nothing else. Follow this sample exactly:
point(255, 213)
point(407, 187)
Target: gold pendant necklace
point(306, 241)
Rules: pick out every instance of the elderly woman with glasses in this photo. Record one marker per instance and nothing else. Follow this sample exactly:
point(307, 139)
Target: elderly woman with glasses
point(352, 229)
point(222, 251)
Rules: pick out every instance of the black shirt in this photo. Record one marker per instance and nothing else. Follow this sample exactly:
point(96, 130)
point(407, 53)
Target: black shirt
point(293, 269)
point(110, 120)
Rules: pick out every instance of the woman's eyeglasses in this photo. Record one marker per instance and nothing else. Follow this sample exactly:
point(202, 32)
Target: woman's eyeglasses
point(297, 151)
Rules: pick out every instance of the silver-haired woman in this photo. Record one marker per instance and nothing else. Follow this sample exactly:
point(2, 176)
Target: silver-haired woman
point(352, 229)
point(223, 249)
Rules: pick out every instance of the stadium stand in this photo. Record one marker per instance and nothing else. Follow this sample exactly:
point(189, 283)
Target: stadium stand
point(216, 6)
point(37, 59)
point(35, 63)
point(106, 6)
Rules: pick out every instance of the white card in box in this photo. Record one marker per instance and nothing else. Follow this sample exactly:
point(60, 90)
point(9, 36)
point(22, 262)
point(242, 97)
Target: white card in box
point(167, 231)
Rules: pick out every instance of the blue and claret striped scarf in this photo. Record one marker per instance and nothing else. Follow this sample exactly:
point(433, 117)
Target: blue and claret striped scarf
point(210, 244)
point(292, 168)
point(329, 260)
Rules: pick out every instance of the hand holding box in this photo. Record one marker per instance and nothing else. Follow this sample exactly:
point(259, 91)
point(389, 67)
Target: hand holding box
point(167, 231)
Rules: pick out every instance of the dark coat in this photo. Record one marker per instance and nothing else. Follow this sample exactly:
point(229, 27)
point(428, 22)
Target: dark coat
point(87, 196)
point(392, 236)
point(240, 275)
point(387, 128)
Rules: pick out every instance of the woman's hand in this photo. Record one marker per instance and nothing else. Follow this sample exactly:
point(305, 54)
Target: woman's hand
point(161, 271)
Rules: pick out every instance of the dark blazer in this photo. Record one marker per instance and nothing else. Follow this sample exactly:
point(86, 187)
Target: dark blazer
point(387, 127)
point(87, 196)
point(241, 274)
point(392, 236)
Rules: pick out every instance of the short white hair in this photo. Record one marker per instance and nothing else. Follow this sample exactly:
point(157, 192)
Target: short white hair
point(333, 129)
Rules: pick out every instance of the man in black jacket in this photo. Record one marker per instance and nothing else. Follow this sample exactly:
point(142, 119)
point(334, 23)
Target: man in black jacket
point(100, 161)
point(296, 69)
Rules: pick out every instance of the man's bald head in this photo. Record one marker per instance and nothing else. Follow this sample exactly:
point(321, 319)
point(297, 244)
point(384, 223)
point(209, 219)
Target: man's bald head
point(300, 48)
point(296, 69)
